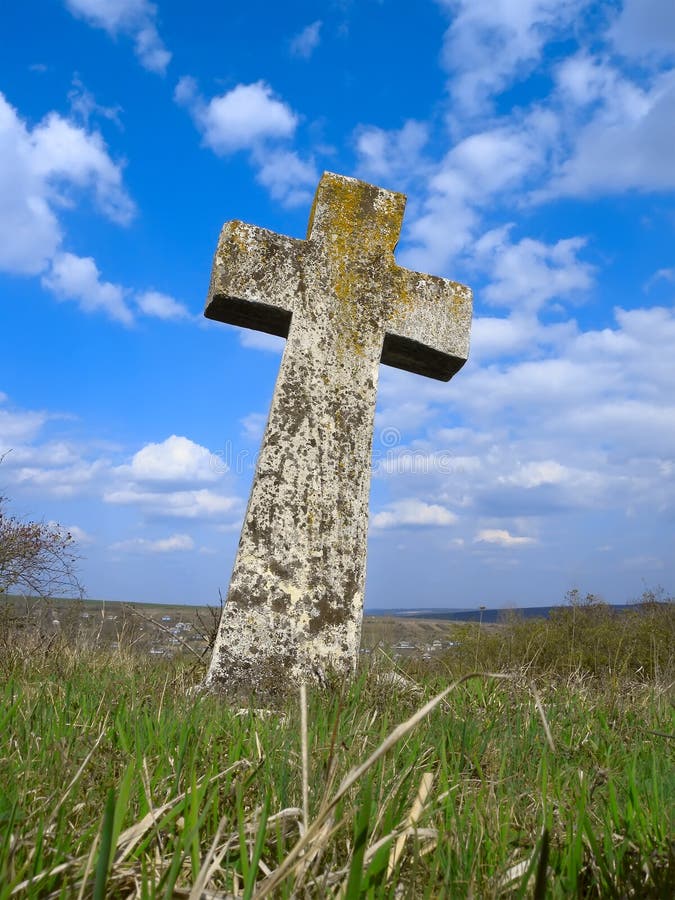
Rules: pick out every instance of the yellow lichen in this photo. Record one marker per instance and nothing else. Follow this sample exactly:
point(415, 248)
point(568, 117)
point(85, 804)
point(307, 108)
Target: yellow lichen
point(358, 227)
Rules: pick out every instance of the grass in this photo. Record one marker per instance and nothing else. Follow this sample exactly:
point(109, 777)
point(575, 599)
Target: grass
point(117, 781)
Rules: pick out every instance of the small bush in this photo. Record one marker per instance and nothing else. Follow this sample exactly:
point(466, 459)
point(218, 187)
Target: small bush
point(587, 636)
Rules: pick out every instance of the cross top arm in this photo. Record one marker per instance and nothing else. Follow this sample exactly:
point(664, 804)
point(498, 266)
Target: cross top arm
point(258, 277)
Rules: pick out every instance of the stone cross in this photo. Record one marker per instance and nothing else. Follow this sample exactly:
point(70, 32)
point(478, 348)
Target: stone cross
point(295, 601)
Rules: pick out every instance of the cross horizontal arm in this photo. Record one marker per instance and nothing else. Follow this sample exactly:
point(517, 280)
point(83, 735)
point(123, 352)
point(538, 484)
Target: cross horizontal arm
point(255, 278)
point(429, 332)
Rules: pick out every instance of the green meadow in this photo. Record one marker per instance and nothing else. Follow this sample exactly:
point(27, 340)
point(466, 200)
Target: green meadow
point(533, 759)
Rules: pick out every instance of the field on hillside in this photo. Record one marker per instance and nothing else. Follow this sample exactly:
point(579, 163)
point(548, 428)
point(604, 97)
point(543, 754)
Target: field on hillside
point(552, 778)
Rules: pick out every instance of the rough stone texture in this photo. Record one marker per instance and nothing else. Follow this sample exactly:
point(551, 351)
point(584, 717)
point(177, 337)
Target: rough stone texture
point(295, 601)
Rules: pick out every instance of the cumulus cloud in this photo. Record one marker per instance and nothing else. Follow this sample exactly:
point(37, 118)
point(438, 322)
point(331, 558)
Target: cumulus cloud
point(239, 119)
point(488, 45)
point(480, 170)
point(584, 426)
point(41, 170)
point(528, 274)
point(18, 426)
point(253, 426)
point(306, 41)
point(165, 480)
point(251, 118)
point(77, 278)
point(627, 138)
point(645, 29)
point(258, 340)
point(412, 513)
point(534, 474)
point(135, 18)
point(174, 479)
point(195, 504)
point(396, 155)
point(46, 169)
point(175, 543)
point(494, 337)
point(176, 460)
point(501, 537)
point(599, 380)
point(60, 480)
point(287, 177)
point(161, 306)
point(62, 152)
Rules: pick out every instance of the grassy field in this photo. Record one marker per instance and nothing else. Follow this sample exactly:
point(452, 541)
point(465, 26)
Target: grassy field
point(553, 778)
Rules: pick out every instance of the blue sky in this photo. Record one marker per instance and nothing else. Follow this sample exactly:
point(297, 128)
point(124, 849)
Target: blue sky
point(535, 141)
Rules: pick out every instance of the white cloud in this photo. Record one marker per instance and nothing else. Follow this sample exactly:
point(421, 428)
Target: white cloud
point(645, 29)
point(64, 151)
point(660, 275)
point(175, 460)
point(501, 537)
point(39, 170)
point(493, 337)
point(586, 423)
point(252, 118)
point(288, 178)
point(478, 171)
point(583, 80)
point(197, 504)
point(306, 42)
point(534, 474)
point(61, 480)
point(163, 480)
point(136, 18)
point(50, 468)
point(84, 107)
point(394, 155)
point(253, 426)
point(528, 274)
point(240, 119)
point(17, 427)
point(161, 306)
point(412, 512)
point(174, 543)
point(259, 340)
point(488, 45)
point(626, 141)
point(77, 278)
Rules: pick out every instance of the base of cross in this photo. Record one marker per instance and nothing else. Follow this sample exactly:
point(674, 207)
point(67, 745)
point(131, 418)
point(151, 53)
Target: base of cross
point(269, 682)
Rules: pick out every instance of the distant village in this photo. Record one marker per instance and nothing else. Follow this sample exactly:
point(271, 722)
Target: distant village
point(167, 631)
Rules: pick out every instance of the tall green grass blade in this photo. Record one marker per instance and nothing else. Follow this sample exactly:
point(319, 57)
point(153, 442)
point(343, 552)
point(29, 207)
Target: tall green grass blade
point(361, 827)
point(105, 847)
point(121, 805)
point(249, 884)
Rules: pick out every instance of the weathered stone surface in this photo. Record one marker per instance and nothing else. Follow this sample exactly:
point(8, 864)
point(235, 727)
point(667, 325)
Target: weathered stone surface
point(295, 601)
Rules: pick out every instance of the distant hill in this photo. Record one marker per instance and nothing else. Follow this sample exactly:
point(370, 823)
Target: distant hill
point(474, 615)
